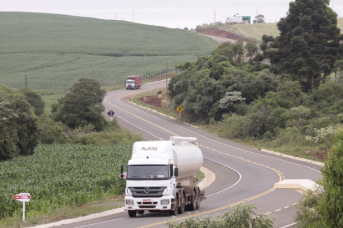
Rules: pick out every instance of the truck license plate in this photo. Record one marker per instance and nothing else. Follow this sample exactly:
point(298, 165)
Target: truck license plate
point(146, 200)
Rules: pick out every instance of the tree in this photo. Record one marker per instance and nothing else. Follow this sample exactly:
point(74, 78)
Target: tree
point(251, 49)
point(82, 105)
point(259, 19)
point(309, 43)
point(332, 199)
point(18, 124)
point(35, 101)
point(338, 68)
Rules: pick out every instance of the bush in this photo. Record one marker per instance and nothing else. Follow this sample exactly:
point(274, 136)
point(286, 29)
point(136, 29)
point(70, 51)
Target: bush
point(241, 216)
point(18, 124)
point(35, 101)
point(82, 105)
point(50, 132)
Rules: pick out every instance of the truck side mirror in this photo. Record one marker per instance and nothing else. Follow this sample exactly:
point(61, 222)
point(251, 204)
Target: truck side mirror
point(121, 171)
point(176, 172)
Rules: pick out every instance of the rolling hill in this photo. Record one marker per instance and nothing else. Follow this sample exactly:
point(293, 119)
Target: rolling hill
point(256, 31)
point(55, 50)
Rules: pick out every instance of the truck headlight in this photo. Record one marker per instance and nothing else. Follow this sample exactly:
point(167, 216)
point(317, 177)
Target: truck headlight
point(165, 202)
point(129, 202)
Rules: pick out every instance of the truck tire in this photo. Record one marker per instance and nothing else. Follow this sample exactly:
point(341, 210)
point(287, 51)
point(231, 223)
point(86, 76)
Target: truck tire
point(182, 204)
point(132, 213)
point(173, 212)
point(140, 212)
point(193, 205)
point(198, 200)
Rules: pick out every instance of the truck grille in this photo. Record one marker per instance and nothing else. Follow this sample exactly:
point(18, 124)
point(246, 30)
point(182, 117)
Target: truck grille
point(151, 192)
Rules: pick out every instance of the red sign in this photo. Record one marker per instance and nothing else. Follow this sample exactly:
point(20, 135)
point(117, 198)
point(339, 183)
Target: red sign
point(124, 175)
point(22, 197)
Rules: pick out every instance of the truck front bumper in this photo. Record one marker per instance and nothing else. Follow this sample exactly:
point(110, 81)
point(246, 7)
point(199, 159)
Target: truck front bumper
point(163, 203)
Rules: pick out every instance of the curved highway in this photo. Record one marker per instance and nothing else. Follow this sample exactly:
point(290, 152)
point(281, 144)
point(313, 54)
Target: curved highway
point(243, 174)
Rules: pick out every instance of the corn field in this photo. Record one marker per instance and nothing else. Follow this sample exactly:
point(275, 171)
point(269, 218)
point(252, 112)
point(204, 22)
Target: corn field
point(58, 175)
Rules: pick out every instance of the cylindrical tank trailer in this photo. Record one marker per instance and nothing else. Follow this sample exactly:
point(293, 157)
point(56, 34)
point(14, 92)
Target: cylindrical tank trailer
point(160, 176)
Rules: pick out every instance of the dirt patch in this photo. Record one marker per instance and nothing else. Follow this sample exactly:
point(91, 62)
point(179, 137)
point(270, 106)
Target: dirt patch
point(217, 32)
point(152, 100)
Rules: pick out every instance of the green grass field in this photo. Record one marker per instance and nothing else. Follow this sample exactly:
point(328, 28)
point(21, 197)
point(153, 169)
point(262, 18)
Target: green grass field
point(56, 50)
point(256, 31)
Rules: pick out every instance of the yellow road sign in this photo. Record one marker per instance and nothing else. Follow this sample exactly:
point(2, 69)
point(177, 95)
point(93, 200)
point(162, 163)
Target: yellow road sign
point(179, 109)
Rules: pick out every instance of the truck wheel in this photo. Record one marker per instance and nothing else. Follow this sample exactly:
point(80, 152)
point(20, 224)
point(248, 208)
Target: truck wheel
point(132, 213)
point(197, 200)
point(182, 205)
point(140, 212)
point(174, 211)
point(193, 204)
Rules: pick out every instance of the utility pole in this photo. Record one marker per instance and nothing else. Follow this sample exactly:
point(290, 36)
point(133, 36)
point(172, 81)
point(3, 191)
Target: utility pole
point(25, 74)
point(166, 73)
point(214, 16)
point(133, 16)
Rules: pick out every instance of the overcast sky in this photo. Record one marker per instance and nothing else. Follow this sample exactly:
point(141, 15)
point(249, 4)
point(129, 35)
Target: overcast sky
point(172, 13)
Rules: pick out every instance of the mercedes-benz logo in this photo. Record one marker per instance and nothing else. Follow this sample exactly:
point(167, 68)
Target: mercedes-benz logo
point(147, 190)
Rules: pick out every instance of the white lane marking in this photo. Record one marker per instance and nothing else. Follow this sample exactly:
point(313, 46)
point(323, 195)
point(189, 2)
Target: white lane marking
point(217, 141)
point(138, 127)
point(286, 207)
point(239, 179)
point(278, 210)
point(102, 222)
point(294, 204)
point(268, 213)
point(289, 225)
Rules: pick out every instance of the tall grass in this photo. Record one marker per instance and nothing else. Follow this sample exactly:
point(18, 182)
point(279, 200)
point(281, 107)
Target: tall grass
point(58, 175)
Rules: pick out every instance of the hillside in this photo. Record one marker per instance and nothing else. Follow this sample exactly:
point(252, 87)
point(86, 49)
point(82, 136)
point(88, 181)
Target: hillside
point(257, 30)
point(55, 50)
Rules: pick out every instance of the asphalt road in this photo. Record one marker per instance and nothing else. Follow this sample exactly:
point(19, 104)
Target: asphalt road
point(243, 174)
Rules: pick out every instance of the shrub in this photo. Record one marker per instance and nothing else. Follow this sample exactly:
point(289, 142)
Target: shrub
point(240, 216)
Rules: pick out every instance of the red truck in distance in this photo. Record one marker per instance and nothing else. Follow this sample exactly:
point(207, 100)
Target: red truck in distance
point(134, 82)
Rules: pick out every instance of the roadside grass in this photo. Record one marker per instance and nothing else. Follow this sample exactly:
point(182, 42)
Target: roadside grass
point(62, 213)
point(200, 175)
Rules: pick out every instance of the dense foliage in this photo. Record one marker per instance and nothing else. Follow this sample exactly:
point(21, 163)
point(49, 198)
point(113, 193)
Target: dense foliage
point(308, 45)
point(323, 207)
point(58, 175)
point(82, 106)
point(332, 199)
point(241, 216)
point(202, 84)
point(18, 124)
point(35, 100)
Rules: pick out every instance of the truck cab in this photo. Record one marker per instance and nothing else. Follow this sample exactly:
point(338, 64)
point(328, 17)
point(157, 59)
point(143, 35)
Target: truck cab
point(153, 182)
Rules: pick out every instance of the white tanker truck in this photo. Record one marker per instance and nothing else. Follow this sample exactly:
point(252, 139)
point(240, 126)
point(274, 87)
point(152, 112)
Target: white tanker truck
point(160, 176)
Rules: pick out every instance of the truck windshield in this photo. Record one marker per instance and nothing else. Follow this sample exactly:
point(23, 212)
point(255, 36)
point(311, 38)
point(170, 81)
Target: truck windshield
point(147, 172)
